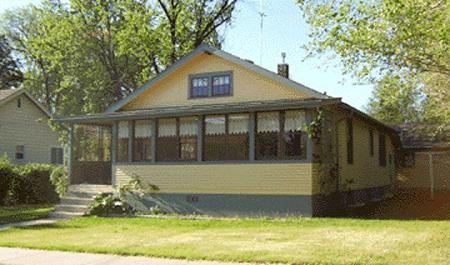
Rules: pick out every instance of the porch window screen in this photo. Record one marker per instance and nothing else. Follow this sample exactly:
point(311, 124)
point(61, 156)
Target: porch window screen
point(214, 144)
point(267, 135)
point(122, 143)
point(226, 137)
point(142, 140)
point(237, 141)
point(188, 138)
point(177, 139)
point(382, 149)
point(294, 139)
point(167, 144)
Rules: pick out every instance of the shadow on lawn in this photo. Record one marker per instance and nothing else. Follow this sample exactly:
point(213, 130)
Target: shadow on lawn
point(405, 205)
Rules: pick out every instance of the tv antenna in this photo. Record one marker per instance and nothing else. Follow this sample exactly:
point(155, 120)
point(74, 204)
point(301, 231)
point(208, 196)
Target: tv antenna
point(261, 25)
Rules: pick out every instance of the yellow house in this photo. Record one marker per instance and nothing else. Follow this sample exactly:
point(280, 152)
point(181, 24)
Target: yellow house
point(25, 135)
point(220, 135)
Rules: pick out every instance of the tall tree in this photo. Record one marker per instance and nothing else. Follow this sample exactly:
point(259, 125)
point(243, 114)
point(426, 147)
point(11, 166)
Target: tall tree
point(402, 47)
point(82, 55)
point(10, 74)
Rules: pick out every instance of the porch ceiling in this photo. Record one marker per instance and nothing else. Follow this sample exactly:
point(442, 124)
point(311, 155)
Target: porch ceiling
point(109, 118)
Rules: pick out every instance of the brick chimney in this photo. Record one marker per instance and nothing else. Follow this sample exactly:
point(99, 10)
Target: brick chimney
point(283, 68)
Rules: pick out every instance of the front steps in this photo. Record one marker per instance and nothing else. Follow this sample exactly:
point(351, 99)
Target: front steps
point(78, 199)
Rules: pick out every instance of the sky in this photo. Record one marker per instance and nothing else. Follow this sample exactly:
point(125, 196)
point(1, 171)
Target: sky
point(284, 30)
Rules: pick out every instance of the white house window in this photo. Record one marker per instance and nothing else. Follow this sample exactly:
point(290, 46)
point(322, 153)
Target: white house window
point(20, 152)
point(57, 155)
point(19, 103)
point(211, 84)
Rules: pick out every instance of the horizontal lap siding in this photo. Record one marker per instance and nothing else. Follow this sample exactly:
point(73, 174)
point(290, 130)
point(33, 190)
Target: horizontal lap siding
point(247, 86)
point(27, 126)
point(365, 172)
point(278, 179)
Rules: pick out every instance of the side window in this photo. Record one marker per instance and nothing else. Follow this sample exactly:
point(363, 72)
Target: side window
point(371, 151)
point(382, 150)
point(57, 156)
point(349, 141)
point(19, 103)
point(20, 152)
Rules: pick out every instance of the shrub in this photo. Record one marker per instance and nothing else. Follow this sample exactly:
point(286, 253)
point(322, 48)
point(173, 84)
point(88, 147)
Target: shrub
point(33, 185)
point(7, 175)
point(107, 203)
point(59, 179)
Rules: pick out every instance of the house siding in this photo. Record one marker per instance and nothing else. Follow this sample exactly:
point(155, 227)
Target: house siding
point(27, 126)
point(239, 178)
point(247, 86)
point(365, 172)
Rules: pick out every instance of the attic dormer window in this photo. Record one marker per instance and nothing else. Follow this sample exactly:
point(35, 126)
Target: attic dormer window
point(211, 84)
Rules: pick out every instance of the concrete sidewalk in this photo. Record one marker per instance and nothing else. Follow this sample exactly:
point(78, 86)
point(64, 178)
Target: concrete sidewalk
point(30, 223)
point(18, 256)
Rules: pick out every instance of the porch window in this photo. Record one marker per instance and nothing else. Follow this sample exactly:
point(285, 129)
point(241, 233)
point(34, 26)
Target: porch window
point(294, 139)
point(142, 140)
point(382, 149)
point(177, 139)
point(237, 137)
point(214, 141)
point(267, 135)
point(122, 143)
point(226, 137)
point(188, 138)
point(167, 142)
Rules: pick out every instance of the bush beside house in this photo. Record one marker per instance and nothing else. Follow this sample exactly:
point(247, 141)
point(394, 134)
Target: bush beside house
point(31, 183)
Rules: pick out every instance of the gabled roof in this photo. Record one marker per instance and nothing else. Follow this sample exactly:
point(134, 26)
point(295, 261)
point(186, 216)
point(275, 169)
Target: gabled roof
point(10, 94)
point(205, 48)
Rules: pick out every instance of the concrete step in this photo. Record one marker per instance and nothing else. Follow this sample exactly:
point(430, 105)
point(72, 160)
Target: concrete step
point(90, 189)
point(74, 208)
point(76, 200)
point(65, 215)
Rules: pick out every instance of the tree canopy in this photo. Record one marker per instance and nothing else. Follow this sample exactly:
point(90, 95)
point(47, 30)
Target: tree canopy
point(10, 74)
point(402, 47)
point(80, 56)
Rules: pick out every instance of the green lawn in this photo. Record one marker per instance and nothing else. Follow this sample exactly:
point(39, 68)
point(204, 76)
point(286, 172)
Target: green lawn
point(299, 241)
point(23, 213)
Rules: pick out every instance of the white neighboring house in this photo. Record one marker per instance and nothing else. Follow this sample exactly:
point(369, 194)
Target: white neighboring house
point(25, 135)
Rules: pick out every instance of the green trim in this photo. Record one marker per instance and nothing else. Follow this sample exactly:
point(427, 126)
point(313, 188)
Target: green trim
point(195, 110)
point(204, 48)
point(227, 204)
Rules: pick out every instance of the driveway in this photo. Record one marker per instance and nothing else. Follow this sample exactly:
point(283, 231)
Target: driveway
point(18, 256)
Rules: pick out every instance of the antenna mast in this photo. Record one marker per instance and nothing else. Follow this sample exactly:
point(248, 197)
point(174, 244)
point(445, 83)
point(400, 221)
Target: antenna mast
point(261, 24)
